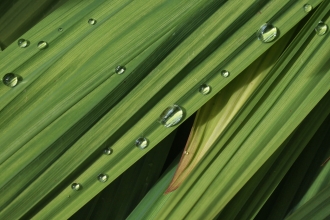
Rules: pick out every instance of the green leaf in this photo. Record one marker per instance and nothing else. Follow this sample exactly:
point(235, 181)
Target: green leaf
point(282, 101)
point(71, 104)
point(213, 118)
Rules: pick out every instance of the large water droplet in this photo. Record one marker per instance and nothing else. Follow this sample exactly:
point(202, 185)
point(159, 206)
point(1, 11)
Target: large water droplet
point(308, 8)
point(267, 33)
point(171, 116)
point(23, 43)
point(205, 89)
point(107, 151)
point(42, 45)
point(225, 73)
point(76, 186)
point(120, 69)
point(92, 21)
point(321, 28)
point(141, 142)
point(102, 178)
point(10, 79)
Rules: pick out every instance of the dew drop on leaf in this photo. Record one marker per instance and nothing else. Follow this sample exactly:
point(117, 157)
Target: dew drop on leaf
point(171, 116)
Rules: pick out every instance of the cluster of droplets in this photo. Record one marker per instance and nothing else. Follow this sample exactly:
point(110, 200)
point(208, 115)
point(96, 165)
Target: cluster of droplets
point(170, 117)
point(11, 80)
point(174, 114)
point(140, 142)
point(23, 43)
point(268, 33)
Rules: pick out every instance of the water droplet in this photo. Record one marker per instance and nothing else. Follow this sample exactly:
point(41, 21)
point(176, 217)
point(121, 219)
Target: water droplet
point(42, 45)
point(308, 8)
point(91, 21)
point(120, 69)
point(23, 43)
point(267, 33)
point(141, 142)
point(321, 28)
point(10, 79)
point(205, 89)
point(60, 29)
point(225, 73)
point(171, 116)
point(102, 178)
point(185, 152)
point(76, 186)
point(107, 151)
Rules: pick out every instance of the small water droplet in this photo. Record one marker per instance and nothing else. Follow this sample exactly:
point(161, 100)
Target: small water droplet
point(76, 186)
point(102, 178)
point(23, 43)
point(205, 89)
point(225, 73)
point(321, 28)
point(92, 21)
point(186, 152)
point(171, 116)
point(107, 151)
point(42, 45)
point(267, 33)
point(308, 8)
point(10, 79)
point(60, 29)
point(141, 142)
point(120, 69)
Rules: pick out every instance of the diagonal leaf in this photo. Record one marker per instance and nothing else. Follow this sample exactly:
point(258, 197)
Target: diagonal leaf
point(212, 119)
point(285, 98)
